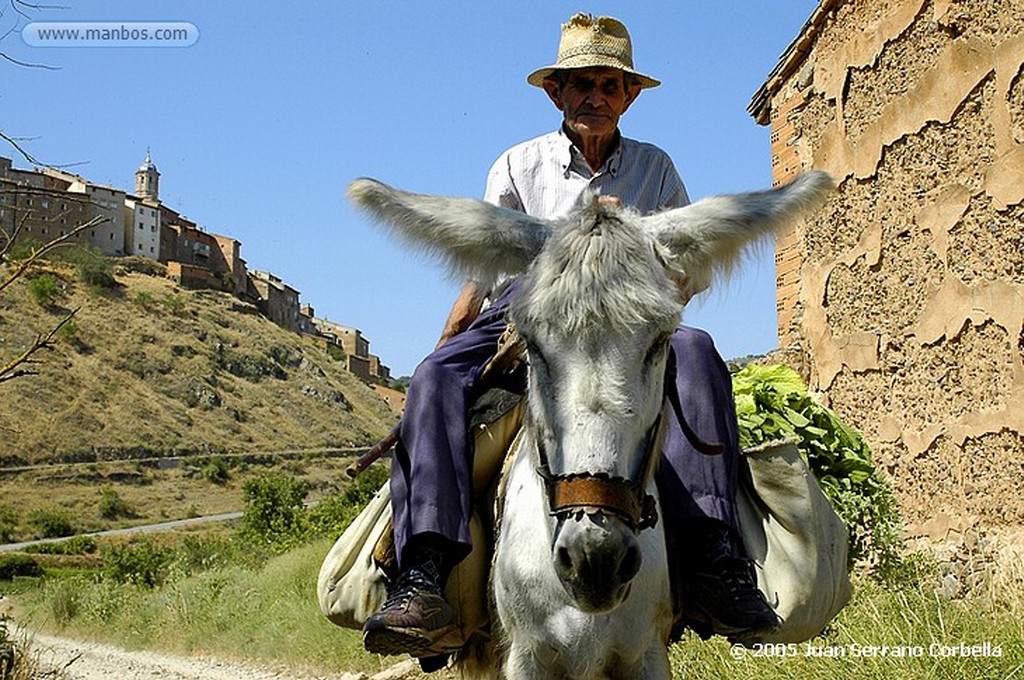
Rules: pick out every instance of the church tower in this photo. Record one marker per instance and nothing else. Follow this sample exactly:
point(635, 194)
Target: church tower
point(147, 180)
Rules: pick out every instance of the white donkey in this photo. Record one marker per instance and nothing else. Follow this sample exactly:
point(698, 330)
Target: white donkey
point(580, 580)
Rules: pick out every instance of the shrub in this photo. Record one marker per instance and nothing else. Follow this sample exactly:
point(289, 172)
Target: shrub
point(175, 303)
point(112, 506)
point(145, 300)
point(336, 352)
point(8, 522)
point(51, 522)
point(93, 268)
point(142, 562)
point(273, 515)
point(332, 515)
point(76, 545)
point(18, 565)
point(216, 471)
point(773, 403)
point(69, 333)
point(44, 289)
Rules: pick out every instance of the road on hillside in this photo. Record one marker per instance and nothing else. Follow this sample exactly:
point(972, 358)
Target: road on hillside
point(141, 529)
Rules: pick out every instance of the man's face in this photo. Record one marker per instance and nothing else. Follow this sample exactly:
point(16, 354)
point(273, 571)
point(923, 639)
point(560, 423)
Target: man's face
point(592, 99)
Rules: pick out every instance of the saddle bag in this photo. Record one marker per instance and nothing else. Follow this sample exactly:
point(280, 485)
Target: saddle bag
point(353, 579)
point(798, 543)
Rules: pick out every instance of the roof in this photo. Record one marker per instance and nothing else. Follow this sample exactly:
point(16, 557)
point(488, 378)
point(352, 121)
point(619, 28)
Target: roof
point(792, 59)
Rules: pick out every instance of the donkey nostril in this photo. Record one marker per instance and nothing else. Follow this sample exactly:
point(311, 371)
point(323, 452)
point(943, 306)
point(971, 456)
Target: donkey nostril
point(564, 559)
point(630, 564)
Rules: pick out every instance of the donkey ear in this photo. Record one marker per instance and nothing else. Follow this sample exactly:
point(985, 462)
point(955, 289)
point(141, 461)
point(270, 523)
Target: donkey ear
point(708, 237)
point(475, 239)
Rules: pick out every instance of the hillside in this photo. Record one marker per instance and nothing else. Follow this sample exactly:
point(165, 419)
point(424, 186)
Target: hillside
point(151, 369)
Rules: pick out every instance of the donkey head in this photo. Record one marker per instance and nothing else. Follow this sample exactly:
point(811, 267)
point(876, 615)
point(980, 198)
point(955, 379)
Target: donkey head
point(599, 295)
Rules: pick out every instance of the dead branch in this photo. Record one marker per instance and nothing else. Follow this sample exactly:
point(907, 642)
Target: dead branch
point(21, 364)
point(37, 253)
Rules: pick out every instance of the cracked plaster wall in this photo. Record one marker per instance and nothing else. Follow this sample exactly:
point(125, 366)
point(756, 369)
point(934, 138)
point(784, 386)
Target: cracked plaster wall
point(910, 301)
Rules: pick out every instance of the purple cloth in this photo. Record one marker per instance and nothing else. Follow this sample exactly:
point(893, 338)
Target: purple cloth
point(431, 471)
point(692, 484)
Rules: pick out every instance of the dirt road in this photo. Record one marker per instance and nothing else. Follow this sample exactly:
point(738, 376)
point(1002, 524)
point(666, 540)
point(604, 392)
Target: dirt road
point(79, 660)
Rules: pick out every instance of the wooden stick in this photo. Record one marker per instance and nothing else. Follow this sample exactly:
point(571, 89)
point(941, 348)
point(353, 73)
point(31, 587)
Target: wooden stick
point(377, 451)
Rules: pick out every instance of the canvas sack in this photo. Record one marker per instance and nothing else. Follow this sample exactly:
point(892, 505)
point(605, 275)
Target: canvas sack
point(798, 543)
point(352, 584)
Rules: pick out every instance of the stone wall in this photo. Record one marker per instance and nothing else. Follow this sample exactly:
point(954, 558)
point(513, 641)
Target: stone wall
point(904, 296)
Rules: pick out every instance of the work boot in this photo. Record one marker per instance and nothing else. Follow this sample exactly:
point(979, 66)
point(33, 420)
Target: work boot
point(414, 620)
point(718, 591)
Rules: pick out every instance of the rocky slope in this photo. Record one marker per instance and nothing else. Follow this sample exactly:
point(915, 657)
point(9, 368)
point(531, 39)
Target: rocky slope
point(149, 369)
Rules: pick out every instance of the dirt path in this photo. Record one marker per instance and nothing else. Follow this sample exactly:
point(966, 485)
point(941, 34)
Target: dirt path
point(83, 660)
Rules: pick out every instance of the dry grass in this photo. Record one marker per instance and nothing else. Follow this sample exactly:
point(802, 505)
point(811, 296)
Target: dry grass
point(156, 370)
point(155, 495)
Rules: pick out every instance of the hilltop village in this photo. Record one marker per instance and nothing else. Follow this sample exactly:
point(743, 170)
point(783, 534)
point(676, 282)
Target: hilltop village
point(49, 203)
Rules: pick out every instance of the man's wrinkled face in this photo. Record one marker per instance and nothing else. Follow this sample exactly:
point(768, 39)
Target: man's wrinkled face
point(592, 99)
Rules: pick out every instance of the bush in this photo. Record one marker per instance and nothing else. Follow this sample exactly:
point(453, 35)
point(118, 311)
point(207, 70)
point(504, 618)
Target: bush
point(18, 565)
point(142, 562)
point(216, 471)
point(336, 352)
point(8, 522)
point(70, 332)
point(51, 522)
point(93, 268)
point(145, 300)
point(112, 506)
point(175, 303)
point(44, 289)
point(76, 545)
point(773, 403)
point(273, 515)
point(332, 515)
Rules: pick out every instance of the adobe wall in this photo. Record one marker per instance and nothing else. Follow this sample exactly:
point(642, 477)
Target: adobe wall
point(904, 297)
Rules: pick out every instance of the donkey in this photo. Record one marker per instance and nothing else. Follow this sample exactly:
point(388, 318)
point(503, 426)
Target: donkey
point(580, 579)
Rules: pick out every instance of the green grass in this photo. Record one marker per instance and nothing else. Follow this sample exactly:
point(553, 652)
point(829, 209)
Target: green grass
point(269, 614)
point(868, 637)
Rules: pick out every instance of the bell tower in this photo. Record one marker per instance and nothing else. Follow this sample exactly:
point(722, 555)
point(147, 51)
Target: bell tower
point(147, 180)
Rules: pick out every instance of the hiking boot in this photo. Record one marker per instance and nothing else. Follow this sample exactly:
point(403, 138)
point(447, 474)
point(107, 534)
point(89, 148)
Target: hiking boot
point(414, 620)
point(719, 593)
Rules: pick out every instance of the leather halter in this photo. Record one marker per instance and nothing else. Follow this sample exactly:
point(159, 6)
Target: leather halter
point(596, 493)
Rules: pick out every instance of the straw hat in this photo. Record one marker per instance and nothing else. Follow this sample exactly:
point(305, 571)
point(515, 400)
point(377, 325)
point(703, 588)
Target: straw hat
point(588, 42)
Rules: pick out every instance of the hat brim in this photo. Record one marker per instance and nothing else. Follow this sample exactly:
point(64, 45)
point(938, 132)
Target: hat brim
point(588, 61)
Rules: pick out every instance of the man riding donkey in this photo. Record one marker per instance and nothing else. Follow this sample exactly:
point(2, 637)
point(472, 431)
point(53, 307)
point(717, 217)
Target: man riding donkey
point(592, 83)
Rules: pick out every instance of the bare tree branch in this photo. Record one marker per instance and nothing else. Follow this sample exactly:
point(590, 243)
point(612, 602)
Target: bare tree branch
point(37, 253)
point(10, 140)
point(27, 64)
point(22, 364)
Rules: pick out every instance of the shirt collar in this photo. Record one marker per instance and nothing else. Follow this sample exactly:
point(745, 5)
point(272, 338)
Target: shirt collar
point(568, 155)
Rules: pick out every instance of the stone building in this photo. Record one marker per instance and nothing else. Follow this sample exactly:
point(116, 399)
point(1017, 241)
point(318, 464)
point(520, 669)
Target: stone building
point(51, 203)
point(278, 301)
point(903, 299)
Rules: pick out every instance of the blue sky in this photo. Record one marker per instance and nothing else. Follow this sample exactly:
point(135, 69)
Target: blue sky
point(258, 127)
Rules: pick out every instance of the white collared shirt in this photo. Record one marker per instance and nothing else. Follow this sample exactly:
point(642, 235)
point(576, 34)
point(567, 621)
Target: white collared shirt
point(546, 177)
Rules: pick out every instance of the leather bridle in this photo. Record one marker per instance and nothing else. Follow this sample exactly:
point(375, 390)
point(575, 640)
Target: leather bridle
point(627, 499)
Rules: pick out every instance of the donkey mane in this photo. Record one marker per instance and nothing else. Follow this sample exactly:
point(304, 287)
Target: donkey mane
point(599, 273)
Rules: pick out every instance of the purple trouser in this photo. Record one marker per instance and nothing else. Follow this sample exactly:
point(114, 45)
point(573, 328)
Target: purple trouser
point(432, 466)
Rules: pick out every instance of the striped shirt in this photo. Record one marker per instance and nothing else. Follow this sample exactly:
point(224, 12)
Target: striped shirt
point(547, 176)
